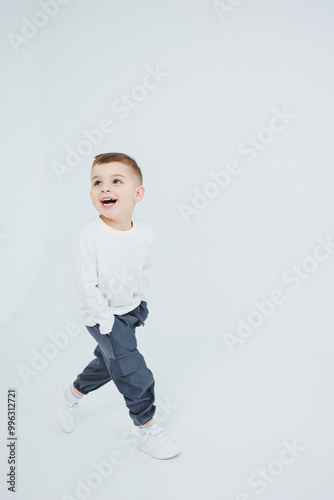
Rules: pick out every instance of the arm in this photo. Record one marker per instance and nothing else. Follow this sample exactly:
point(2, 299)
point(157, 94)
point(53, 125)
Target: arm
point(86, 281)
point(148, 272)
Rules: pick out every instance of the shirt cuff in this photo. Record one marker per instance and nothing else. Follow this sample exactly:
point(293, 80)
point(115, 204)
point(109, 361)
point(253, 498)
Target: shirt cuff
point(106, 327)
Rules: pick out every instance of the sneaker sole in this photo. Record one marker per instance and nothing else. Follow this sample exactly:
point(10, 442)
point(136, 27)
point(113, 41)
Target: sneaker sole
point(164, 457)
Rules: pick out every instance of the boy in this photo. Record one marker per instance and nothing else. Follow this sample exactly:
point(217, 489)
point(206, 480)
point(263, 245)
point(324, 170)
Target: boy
point(114, 262)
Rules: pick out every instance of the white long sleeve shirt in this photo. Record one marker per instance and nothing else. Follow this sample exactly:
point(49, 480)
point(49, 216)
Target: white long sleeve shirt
point(113, 270)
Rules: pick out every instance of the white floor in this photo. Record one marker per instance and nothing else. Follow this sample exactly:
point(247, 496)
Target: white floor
point(232, 413)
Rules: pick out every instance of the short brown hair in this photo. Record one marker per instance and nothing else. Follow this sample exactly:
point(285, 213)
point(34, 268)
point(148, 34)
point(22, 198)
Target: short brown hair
point(122, 158)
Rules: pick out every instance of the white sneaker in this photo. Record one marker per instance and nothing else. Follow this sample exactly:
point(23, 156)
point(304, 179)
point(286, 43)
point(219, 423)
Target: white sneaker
point(156, 443)
point(66, 413)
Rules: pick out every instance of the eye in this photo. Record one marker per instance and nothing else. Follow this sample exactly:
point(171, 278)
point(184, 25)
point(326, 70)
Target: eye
point(96, 182)
point(115, 180)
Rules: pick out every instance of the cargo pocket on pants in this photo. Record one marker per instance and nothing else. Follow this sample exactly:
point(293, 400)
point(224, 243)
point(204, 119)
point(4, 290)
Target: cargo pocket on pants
point(125, 366)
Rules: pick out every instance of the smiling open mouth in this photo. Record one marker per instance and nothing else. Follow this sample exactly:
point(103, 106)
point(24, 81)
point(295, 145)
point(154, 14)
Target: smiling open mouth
point(108, 201)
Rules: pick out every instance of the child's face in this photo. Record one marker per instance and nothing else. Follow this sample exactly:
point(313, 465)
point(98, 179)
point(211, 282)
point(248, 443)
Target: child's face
point(115, 180)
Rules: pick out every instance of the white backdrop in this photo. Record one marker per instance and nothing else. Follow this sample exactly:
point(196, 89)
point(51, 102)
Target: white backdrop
point(227, 107)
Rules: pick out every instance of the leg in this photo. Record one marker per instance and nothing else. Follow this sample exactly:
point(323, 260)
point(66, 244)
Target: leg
point(93, 376)
point(131, 375)
point(77, 392)
point(127, 365)
point(147, 423)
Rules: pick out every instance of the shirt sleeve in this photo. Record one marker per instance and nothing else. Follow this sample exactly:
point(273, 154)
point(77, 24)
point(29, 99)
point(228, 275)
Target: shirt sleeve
point(86, 282)
point(148, 271)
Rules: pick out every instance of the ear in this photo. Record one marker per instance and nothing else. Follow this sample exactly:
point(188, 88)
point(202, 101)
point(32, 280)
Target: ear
point(139, 193)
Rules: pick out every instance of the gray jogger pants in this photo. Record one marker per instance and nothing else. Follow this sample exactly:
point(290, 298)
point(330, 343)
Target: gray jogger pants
point(117, 358)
